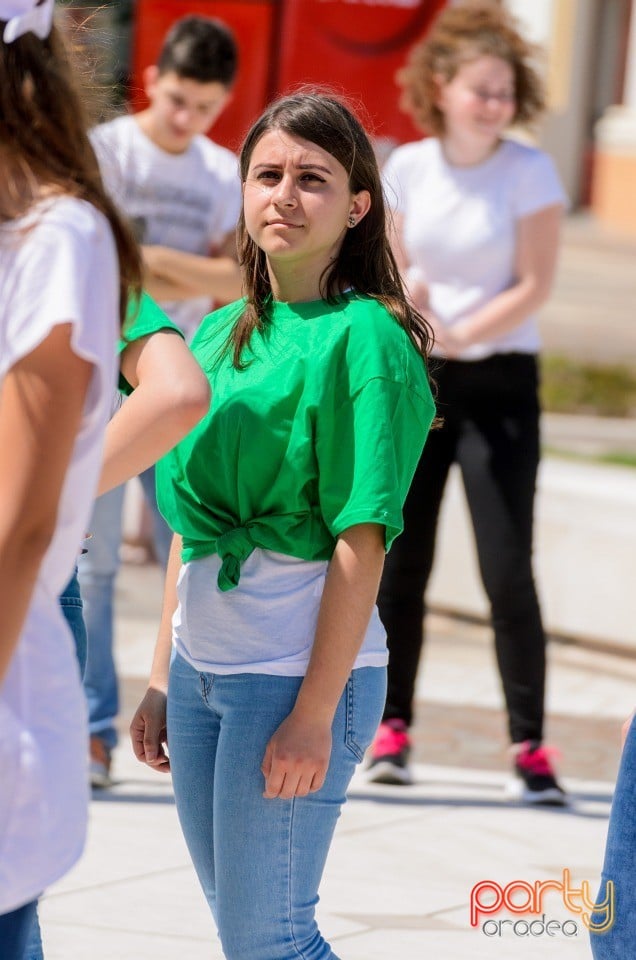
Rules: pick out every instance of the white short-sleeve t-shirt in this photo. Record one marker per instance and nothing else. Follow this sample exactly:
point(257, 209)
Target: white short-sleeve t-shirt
point(460, 227)
point(57, 266)
point(188, 201)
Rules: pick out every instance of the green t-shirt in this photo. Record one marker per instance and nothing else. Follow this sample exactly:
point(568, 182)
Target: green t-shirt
point(322, 430)
point(143, 318)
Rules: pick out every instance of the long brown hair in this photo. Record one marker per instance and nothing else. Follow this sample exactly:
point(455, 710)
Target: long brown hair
point(365, 261)
point(44, 144)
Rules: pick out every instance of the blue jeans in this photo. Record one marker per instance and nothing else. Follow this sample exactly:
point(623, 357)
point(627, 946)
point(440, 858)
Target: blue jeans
point(71, 603)
point(97, 570)
point(619, 942)
point(259, 861)
point(161, 532)
point(14, 931)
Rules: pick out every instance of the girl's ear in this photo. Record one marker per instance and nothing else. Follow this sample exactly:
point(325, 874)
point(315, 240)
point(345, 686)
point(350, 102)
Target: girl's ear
point(360, 205)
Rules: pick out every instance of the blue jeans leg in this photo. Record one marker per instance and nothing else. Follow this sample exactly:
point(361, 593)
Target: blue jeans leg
point(72, 608)
point(161, 532)
point(34, 949)
point(14, 931)
point(97, 571)
point(259, 861)
point(619, 942)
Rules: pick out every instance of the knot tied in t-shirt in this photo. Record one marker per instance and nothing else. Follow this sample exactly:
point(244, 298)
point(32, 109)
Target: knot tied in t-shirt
point(233, 547)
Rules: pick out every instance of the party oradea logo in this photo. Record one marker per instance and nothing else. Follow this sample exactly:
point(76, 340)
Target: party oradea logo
point(524, 909)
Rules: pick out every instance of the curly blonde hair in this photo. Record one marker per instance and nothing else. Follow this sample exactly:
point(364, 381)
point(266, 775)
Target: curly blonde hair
point(460, 35)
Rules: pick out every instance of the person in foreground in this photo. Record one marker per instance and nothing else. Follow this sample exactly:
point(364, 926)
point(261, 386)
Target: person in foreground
point(271, 657)
point(66, 265)
point(613, 933)
point(167, 395)
point(477, 219)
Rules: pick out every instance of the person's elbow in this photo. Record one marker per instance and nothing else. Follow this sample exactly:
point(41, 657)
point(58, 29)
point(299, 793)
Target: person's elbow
point(190, 400)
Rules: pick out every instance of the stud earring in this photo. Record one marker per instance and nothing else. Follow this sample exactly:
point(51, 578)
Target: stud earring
point(352, 221)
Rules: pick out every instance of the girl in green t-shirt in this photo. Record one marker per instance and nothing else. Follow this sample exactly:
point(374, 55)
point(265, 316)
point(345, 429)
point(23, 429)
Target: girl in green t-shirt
point(284, 500)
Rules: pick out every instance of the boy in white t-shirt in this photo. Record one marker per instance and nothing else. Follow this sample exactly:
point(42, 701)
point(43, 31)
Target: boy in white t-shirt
point(183, 193)
point(181, 190)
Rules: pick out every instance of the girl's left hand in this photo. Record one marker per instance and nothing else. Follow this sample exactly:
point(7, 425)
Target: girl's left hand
point(296, 758)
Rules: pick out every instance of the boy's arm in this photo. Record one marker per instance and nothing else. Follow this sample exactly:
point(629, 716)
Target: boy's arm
point(189, 274)
point(163, 290)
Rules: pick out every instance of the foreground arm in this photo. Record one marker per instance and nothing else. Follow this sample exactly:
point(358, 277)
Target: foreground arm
point(297, 756)
point(41, 403)
point(171, 394)
point(217, 277)
point(148, 727)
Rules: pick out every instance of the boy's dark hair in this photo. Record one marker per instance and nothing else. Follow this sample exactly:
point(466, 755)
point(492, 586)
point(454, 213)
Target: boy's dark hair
point(201, 49)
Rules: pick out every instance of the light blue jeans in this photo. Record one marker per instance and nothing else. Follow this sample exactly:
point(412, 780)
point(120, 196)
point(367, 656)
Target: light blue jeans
point(619, 942)
point(97, 571)
point(259, 861)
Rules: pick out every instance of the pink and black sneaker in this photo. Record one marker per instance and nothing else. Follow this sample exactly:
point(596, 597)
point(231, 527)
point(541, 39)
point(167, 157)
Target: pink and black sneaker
point(389, 754)
point(535, 780)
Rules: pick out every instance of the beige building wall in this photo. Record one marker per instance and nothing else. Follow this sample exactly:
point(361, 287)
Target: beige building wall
point(565, 31)
point(614, 183)
point(590, 125)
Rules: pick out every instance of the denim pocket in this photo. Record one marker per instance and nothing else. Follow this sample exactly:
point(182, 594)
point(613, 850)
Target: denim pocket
point(364, 694)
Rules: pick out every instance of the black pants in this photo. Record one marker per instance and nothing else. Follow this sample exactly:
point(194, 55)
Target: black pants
point(491, 429)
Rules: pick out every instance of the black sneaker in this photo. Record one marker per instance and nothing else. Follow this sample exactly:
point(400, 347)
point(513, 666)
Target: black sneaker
point(389, 754)
point(535, 781)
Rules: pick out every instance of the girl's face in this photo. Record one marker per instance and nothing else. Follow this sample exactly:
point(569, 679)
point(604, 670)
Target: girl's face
point(479, 102)
point(297, 202)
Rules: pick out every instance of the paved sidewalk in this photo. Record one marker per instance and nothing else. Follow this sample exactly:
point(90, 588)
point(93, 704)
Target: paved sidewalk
point(404, 860)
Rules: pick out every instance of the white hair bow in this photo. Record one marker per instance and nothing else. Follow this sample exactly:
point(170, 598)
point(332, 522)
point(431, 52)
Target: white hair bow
point(26, 16)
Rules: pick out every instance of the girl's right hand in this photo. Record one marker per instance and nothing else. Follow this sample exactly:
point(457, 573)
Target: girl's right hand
point(148, 731)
